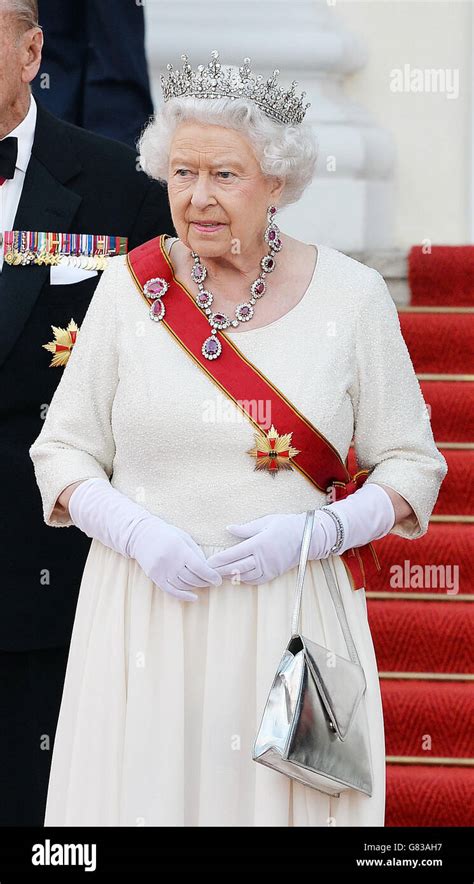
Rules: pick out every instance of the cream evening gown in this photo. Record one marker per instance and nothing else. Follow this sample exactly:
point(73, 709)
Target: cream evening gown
point(162, 698)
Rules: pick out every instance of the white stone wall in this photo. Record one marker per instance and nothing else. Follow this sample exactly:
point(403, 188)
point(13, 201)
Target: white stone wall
point(433, 133)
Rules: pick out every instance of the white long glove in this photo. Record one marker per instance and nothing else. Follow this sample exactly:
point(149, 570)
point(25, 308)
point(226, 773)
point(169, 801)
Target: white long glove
point(273, 543)
point(168, 555)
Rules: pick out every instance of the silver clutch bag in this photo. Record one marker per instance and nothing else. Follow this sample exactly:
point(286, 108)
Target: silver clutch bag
point(314, 727)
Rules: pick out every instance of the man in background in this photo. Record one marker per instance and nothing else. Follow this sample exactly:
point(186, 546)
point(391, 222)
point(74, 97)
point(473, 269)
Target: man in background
point(94, 71)
point(66, 195)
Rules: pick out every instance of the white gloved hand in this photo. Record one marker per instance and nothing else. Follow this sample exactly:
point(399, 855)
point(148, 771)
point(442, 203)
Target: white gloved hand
point(168, 555)
point(366, 515)
point(273, 543)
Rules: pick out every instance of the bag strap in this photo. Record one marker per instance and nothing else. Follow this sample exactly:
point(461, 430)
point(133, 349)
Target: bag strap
point(333, 589)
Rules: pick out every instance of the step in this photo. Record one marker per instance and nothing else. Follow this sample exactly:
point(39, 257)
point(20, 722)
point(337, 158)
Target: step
point(416, 712)
point(441, 276)
point(439, 564)
point(456, 495)
point(422, 636)
point(451, 407)
point(439, 342)
point(419, 795)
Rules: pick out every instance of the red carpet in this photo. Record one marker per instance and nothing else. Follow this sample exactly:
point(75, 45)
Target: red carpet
point(420, 795)
point(440, 342)
point(444, 276)
point(457, 491)
point(451, 408)
point(420, 606)
point(425, 718)
point(419, 636)
point(443, 544)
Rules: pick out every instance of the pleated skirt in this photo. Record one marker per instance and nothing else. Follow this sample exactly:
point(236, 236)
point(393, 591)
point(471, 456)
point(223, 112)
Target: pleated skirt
point(162, 701)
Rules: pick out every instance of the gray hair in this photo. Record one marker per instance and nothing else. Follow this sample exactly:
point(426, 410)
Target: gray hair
point(284, 151)
point(25, 11)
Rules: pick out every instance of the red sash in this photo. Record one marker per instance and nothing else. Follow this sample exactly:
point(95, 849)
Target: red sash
point(242, 382)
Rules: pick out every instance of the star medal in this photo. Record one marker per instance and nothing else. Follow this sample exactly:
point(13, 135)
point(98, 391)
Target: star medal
point(64, 340)
point(272, 451)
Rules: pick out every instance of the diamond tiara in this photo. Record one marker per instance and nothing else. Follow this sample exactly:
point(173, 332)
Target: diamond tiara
point(226, 81)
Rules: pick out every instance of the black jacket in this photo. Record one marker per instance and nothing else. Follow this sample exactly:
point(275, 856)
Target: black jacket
point(81, 183)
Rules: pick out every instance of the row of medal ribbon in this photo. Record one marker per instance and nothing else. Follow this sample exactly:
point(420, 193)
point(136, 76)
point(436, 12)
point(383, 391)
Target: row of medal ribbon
point(88, 251)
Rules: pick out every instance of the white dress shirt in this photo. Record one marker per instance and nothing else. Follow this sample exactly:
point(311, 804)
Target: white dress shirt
point(10, 192)
point(10, 195)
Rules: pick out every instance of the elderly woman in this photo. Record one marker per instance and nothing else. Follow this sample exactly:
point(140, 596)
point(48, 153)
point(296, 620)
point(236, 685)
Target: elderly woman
point(190, 447)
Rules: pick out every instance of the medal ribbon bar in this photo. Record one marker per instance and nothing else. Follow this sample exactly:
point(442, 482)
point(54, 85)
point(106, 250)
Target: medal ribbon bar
point(88, 251)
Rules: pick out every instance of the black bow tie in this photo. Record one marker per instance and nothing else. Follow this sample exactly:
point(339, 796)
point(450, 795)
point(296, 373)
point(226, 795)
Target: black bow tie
point(8, 157)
